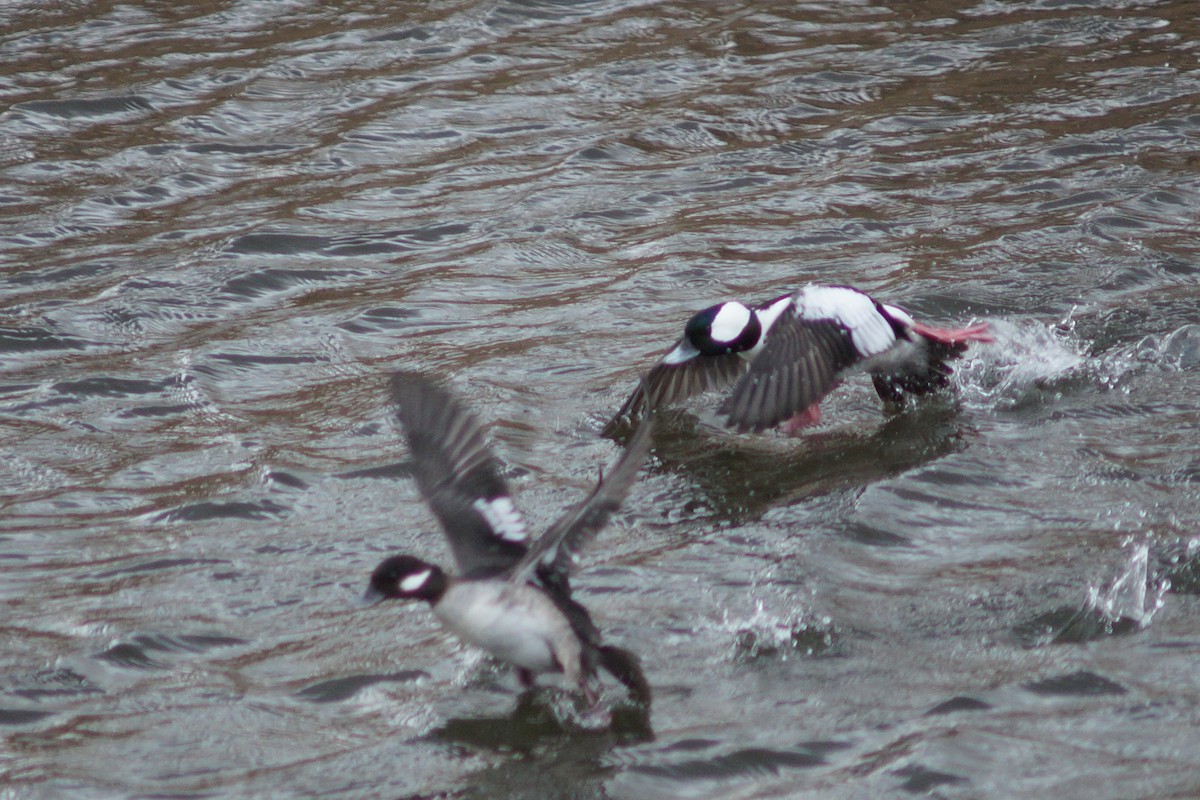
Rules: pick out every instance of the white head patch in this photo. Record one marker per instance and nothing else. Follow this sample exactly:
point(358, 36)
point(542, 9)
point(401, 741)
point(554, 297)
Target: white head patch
point(729, 322)
point(869, 331)
point(503, 518)
point(415, 581)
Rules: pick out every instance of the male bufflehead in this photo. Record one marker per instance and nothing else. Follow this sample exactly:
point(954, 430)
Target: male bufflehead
point(512, 598)
point(784, 356)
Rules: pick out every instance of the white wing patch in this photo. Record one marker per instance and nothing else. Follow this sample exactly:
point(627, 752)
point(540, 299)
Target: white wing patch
point(415, 581)
point(503, 518)
point(729, 322)
point(869, 331)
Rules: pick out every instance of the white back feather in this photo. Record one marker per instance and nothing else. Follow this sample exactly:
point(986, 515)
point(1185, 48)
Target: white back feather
point(869, 331)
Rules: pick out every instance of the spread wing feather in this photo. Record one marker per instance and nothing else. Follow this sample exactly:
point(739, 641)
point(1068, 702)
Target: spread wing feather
point(459, 477)
point(550, 557)
point(669, 383)
point(798, 365)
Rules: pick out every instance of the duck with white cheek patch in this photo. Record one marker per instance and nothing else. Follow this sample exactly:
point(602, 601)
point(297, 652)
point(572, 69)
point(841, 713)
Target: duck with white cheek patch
point(782, 357)
point(510, 598)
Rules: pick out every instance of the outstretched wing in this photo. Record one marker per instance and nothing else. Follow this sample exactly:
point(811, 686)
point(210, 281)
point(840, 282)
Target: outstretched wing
point(676, 377)
point(459, 477)
point(798, 365)
point(550, 557)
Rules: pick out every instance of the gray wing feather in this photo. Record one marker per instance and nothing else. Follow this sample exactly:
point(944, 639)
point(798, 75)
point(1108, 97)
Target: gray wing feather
point(458, 476)
point(666, 384)
point(550, 557)
point(798, 365)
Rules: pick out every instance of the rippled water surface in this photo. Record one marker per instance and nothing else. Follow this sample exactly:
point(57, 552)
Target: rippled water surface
point(225, 223)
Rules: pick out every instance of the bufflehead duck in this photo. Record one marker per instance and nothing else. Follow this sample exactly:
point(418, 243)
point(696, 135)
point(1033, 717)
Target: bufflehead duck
point(511, 597)
point(784, 356)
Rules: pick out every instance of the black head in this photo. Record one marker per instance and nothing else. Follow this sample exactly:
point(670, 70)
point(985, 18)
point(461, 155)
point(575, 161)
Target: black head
point(406, 578)
point(724, 328)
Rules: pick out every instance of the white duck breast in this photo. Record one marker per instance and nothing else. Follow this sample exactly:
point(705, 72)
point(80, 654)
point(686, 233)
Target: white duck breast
point(767, 315)
point(514, 622)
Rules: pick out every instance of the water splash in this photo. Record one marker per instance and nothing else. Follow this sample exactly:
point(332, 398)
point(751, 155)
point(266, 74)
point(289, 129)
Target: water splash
point(765, 634)
point(1180, 567)
point(1131, 596)
point(1179, 350)
point(1125, 605)
point(1025, 362)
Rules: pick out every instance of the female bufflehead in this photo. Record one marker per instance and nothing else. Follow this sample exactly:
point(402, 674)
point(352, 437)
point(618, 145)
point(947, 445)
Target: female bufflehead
point(784, 356)
point(511, 598)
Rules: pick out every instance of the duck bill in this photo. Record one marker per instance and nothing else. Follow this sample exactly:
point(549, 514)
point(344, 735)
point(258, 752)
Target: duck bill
point(370, 597)
point(683, 352)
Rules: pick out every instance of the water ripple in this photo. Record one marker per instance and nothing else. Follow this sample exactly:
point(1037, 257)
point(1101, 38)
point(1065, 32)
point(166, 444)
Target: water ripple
point(228, 223)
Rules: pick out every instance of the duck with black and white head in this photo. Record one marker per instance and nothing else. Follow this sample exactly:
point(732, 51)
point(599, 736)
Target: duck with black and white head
point(783, 356)
point(511, 596)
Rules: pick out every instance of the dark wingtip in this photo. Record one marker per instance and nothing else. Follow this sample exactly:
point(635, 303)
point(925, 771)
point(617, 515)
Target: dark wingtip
point(613, 428)
point(402, 379)
point(745, 419)
point(635, 408)
point(626, 668)
point(639, 441)
point(406, 386)
point(750, 426)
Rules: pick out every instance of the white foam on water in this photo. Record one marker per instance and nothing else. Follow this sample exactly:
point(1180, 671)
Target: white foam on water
point(1025, 360)
point(1129, 596)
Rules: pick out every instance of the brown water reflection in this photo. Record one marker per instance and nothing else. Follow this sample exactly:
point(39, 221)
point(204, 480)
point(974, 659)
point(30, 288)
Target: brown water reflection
point(226, 223)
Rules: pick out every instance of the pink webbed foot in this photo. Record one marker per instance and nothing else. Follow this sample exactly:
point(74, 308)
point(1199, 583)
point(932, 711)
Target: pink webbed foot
point(805, 419)
point(952, 336)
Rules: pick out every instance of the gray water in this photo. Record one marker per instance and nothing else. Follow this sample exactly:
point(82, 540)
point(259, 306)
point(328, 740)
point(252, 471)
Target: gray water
point(224, 224)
